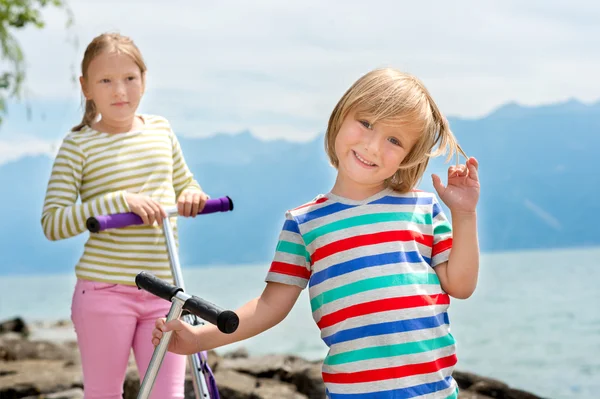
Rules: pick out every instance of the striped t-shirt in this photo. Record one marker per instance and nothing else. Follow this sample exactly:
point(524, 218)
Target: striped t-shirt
point(99, 168)
point(374, 294)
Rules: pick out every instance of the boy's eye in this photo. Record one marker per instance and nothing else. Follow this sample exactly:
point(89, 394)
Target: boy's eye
point(105, 81)
point(394, 141)
point(366, 124)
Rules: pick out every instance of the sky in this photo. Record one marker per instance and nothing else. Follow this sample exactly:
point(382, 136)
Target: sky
point(278, 68)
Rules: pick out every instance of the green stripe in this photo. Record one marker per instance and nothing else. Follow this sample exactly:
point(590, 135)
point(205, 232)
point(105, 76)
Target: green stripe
point(379, 352)
point(365, 220)
point(294, 249)
point(372, 284)
point(442, 228)
point(454, 394)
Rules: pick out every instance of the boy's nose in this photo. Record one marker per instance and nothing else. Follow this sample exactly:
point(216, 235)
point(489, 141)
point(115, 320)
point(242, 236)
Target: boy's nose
point(372, 145)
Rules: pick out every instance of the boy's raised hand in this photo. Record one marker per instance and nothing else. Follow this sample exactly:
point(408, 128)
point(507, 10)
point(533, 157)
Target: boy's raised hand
point(462, 192)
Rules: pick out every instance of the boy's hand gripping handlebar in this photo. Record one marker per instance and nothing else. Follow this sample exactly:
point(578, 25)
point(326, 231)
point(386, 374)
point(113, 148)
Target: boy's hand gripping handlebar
point(226, 320)
point(96, 224)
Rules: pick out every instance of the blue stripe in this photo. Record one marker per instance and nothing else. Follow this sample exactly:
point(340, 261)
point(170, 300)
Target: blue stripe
point(291, 225)
point(403, 393)
point(366, 261)
point(436, 209)
point(324, 211)
point(387, 328)
point(389, 200)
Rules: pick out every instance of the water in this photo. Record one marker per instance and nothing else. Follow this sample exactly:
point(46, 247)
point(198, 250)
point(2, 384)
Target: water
point(534, 321)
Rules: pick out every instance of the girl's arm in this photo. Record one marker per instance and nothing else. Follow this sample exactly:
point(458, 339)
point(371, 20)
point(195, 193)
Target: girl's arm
point(183, 179)
point(61, 217)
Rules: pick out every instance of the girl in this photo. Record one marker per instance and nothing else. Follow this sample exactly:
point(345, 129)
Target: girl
point(379, 257)
point(117, 160)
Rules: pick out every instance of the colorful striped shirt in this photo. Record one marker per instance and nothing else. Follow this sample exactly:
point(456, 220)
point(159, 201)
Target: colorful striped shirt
point(374, 294)
point(99, 168)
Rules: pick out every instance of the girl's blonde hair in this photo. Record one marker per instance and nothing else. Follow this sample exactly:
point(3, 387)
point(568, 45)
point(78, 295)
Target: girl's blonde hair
point(393, 97)
point(106, 42)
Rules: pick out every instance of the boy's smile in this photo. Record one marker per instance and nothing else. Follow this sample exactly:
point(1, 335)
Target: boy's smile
point(369, 155)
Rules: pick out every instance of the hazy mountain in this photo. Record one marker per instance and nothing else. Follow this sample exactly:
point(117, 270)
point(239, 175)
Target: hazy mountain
point(538, 169)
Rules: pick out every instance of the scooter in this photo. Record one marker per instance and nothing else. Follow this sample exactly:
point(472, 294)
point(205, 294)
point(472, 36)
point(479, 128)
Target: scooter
point(192, 309)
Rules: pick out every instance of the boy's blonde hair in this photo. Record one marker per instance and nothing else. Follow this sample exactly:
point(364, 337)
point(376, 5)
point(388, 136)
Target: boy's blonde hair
point(392, 97)
point(106, 42)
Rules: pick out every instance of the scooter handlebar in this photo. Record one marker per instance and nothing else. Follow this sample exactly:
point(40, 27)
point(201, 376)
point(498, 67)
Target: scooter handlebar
point(99, 223)
point(226, 320)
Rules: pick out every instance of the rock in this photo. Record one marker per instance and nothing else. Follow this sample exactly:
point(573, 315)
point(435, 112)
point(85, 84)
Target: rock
point(471, 395)
point(234, 385)
point(21, 349)
point(35, 377)
point(304, 375)
point(51, 370)
point(488, 387)
point(76, 393)
point(16, 325)
point(271, 389)
point(236, 354)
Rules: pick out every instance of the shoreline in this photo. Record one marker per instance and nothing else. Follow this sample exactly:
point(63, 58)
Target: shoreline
point(41, 360)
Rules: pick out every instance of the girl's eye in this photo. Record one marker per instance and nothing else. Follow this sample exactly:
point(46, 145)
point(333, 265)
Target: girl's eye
point(394, 141)
point(131, 78)
point(366, 124)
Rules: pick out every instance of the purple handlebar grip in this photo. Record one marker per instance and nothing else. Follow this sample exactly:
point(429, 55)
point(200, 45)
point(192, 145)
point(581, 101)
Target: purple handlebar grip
point(118, 220)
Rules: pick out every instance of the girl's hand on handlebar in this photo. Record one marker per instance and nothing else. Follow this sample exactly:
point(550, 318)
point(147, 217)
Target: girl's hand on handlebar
point(191, 202)
point(145, 207)
point(183, 340)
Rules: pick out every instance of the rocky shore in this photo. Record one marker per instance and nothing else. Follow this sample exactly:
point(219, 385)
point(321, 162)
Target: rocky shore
point(34, 368)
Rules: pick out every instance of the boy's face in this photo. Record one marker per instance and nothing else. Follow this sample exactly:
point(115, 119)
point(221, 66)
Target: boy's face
point(367, 154)
point(115, 84)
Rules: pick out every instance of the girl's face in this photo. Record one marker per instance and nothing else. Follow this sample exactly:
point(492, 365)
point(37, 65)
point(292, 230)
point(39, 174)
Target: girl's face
point(368, 155)
point(115, 83)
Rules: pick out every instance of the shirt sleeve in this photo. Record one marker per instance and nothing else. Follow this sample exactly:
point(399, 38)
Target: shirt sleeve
point(291, 263)
point(183, 179)
point(62, 217)
point(442, 235)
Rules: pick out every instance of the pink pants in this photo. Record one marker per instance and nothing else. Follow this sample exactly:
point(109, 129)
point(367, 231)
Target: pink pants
point(110, 320)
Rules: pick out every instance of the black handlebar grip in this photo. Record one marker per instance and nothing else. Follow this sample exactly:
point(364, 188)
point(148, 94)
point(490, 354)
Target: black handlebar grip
point(156, 286)
point(226, 320)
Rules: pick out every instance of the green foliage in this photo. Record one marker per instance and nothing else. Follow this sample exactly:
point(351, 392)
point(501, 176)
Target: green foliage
point(14, 15)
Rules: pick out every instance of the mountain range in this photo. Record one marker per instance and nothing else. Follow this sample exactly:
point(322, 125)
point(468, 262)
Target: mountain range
point(538, 168)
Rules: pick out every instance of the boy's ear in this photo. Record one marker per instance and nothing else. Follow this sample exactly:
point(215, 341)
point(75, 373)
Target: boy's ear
point(83, 87)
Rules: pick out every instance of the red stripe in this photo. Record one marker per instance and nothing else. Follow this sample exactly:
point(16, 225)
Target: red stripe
point(390, 372)
point(290, 270)
point(382, 305)
point(370, 239)
point(441, 247)
point(323, 199)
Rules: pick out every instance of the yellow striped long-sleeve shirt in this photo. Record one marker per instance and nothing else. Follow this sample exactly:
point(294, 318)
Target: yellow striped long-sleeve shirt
point(99, 168)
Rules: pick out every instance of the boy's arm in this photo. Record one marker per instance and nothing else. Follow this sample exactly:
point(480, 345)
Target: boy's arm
point(255, 316)
point(458, 275)
point(286, 278)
